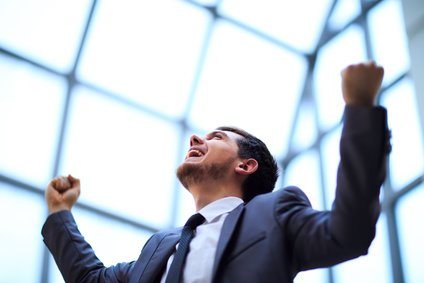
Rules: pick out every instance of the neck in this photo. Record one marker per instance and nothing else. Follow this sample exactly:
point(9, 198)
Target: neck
point(204, 194)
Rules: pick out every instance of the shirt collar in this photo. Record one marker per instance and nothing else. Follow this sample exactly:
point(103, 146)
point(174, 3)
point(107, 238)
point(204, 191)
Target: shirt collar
point(219, 207)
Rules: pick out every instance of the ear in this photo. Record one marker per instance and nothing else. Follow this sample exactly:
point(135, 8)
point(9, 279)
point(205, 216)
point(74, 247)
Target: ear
point(247, 166)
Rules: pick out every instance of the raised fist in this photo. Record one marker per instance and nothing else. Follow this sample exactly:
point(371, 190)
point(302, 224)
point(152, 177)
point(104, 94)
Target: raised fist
point(361, 83)
point(62, 193)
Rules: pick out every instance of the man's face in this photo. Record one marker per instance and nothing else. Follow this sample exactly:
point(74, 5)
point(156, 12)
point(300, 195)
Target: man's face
point(210, 158)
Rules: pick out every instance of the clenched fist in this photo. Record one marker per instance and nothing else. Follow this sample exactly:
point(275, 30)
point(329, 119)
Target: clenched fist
point(62, 193)
point(361, 83)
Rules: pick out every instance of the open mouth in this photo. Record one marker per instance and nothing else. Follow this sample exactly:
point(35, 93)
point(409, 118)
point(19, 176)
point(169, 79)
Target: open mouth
point(194, 153)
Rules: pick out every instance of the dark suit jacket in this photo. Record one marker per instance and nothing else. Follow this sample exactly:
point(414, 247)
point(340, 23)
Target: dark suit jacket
point(271, 238)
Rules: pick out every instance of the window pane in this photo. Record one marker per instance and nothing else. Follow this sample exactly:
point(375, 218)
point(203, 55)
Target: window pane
point(347, 48)
point(305, 132)
point(22, 216)
point(248, 83)
point(186, 206)
point(147, 53)
point(303, 165)
point(31, 102)
point(312, 276)
point(207, 3)
point(47, 31)
point(388, 38)
point(331, 157)
point(344, 12)
point(282, 19)
point(306, 164)
point(406, 158)
point(280, 182)
point(373, 267)
point(123, 243)
point(410, 213)
point(125, 159)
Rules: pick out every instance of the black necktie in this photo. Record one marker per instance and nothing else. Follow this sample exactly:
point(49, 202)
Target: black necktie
point(175, 273)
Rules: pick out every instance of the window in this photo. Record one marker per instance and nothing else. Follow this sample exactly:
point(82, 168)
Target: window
point(111, 93)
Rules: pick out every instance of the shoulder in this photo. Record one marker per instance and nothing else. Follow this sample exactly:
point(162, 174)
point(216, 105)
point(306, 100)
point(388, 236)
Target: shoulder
point(287, 195)
point(156, 239)
point(158, 236)
point(280, 203)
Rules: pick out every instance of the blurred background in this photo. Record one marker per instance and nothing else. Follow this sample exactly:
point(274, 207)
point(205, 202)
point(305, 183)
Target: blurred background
point(110, 92)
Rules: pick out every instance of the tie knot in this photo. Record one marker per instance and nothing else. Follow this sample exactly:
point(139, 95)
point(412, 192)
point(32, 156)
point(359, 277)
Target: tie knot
point(194, 221)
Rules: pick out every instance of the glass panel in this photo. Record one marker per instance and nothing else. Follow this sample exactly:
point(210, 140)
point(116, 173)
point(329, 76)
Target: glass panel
point(22, 216)
point(344, 12)
point(54, 274)
point(389, 39)
point(280, 181)
point(148, 53)
point(347, 48)
point(248, 83)
point(125, 159)
point(186, 203)
point(312, 276)
point(374, 267)
point(186, 208)
point(122, 244)
point(31, 102)
point(282, 19)
point(46, 31)
point(208, 3)
point(306, 164)
point(331, 157)
point(410, 213)
point(406, 159)
point(305, 132)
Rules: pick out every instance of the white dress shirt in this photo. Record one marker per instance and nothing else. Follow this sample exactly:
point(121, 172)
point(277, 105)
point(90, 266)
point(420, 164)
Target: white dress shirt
point(199, 262)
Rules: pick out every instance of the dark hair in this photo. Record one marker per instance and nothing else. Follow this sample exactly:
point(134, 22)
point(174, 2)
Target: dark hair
point(264, 178)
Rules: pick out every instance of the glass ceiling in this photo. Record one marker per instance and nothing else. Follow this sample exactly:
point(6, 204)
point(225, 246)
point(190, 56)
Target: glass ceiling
point(110, 91)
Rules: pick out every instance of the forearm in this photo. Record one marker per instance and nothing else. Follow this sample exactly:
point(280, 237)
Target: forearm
point(73, 255)
point(361, 172)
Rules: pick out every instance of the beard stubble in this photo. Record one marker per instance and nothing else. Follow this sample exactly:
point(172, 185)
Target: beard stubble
point(192, 173)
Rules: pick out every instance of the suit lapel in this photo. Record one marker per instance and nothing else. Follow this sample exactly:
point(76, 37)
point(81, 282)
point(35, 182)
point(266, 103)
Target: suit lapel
point(150, 272)
point(227, 231)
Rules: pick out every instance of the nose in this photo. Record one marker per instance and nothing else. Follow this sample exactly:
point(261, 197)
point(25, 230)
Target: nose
point(195, 140)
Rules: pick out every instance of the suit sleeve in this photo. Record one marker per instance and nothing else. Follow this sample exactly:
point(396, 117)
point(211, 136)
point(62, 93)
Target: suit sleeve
point(74, 256)
point(324, 238)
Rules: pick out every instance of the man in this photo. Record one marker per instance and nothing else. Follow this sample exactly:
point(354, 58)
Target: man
point(246, 233)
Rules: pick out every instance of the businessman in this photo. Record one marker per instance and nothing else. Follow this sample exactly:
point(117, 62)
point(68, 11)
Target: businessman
point(242, 231)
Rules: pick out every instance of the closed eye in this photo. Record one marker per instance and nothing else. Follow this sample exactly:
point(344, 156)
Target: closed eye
point(215, 136)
